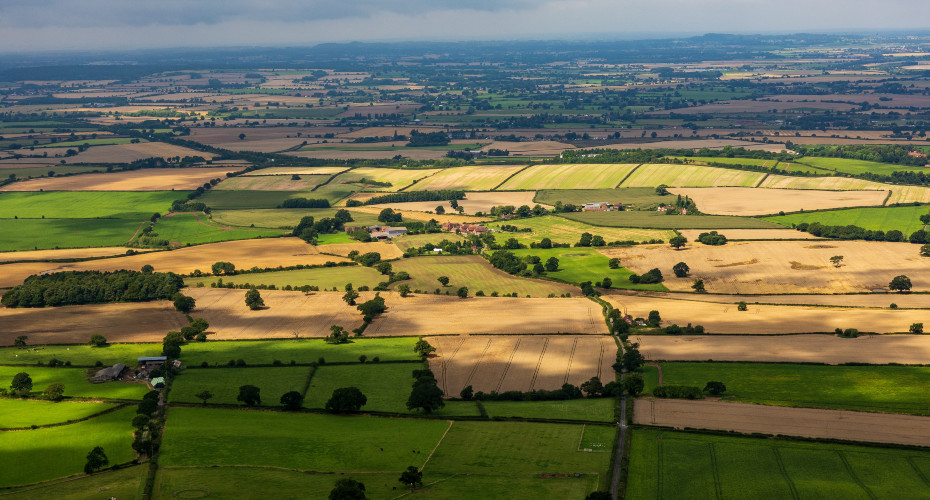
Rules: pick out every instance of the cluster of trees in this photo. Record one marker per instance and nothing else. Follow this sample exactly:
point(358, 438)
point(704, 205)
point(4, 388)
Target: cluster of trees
point(849, 232)
point(405, 196)
point(425, 394)
point(304, 203)
point(651, 276)
point(686, 330)
point(308, 229)
point(92, 287)
point(593, 388)
point(388, 216)
point(712, 238)
point(509, 263)
point(882, 153)
point(419, 139)
point(521, 211)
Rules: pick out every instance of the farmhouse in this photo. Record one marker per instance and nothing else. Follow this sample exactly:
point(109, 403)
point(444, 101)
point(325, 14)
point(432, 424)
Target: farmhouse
point(464, 228)
point(598, 206)
point(109, 374)
point(386, 232)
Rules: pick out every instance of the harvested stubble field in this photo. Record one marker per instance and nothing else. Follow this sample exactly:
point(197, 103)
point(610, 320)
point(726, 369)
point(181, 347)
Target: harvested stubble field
point(423, 216)
point(386, 248)
point(653, 175)
point(126, 153)
point(473, 272)
point(445, 315)
point(285, 315)
point(874, 349)
point(764, 267)
point(271, 183)
point(323, 277)
point(595, 176)
point(662, 220)
point(473, 202)
point(912, 301)
point(296, 170)
point(720, 317)
point(149, 179)
point(752, 234)
point(483, 178)
point(520, 362)
point(562, 230)
point(909, 194)
point(124, 322)
point(68, 253)
point(399, 178)
point(774, 181)
point(805, 422)
point(751, 201)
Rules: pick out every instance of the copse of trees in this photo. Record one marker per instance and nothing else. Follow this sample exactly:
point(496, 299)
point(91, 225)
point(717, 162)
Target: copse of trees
point(92, 287)
point(712, 238)
point(405, 196)
point(849, 232)
point(420, 139)
point(304, 203)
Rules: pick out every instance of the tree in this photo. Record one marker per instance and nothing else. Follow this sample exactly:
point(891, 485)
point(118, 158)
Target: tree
point(388, 216)
point(292, 400)
point(654, 319)
point(440, 210)
point(423, 348)
point(599, 495)
point(715, 388)
point(249, 395)
point(837, 260)
point(925, 250)
point(96, 460)
point(350, 297)
point(917, 328)
point(426, 394)
point(372, 308)
point(630, 360)
point(677, 241)
point(254, 300)
point(552, 264)
point(585, 240)
point(607, 283)
point(698, 286)
point(20, 342)
point(404, 289)
point(633, 384)
point(97, 340)
point(54, 392)
point(148, 269)
point(592, 387)
point(204, 396)
point(346, 399)
point(22, 384)
point(140, 421)
point(681, 270)
point(614, 263)
point(900, 284)
point(337, 335)
point(411, 477)
point(467, 393)
point(348, 489)
point(384, 268)
point(184, 303)
point(462, 292)
point(241, 136)
point(443, 280)
point(741, 306)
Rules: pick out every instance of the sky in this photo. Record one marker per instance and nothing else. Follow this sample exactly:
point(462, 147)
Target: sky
point(37, 25)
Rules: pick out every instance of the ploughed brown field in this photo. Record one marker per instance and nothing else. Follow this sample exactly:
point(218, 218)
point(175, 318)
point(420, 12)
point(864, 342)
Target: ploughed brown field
point(450, 315)
point(520, 362)
point(756, 201)
point(805, 422)
point(149, 179)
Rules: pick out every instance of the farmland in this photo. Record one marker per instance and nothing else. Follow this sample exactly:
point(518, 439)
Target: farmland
point(467, 178)
point(473, 202)
point(26, 413)
point(76, 383)
point(86, 205)
point(599, 176)
point(636, 198)
point(662, 220)
point(577, 265)
point(296, 171)
point(399, 179)
point(905, 219)
point(160, 179)
point(565, 230)
point(224, 383)
point(271, 183)
point(520, 363)
point(690, 176)
point(254, 199)
point(596, 409)
point(821, 183)
point(751, 201)
point(34, 234)
point(284, 217)
point(303, 351)
point(192, 229)
point(325, 277)
point(386, 386)
point(854, 167)
point(475, 273)
point(63, 254)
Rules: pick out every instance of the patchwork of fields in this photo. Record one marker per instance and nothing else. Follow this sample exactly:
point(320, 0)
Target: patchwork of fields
point(690, 176)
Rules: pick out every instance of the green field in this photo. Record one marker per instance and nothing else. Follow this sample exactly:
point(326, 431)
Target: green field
point(285, 217)
point(79, 355)
point(224, 383)
point(195, 229)
point(597, 176)
point(42, 454)
point(76, 384)
point(660, 220)
point(25, 413)
point(905, 219)
point(107, 141)
point(856, 167)
point(678, 465)
point(637, 198)
point(899, 389)
point(593, 409)
point(399, 178)
point(87, 204)
point(41, 234)
point(386, 385)
point(324, 277)
point(563, 230)
point(473, 272)
point(419, 240)
point(256, 352)
point(577, 265)
point(249, 200)
point(123, 483)
point(690, 176)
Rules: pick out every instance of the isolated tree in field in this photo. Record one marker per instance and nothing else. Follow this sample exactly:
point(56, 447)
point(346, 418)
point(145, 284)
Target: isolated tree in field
point(837, 260)
point(426, 394)
point(350, 297)
point(148, 269)
point(440, 210)
point(184, 303)
point(900, 284)
point(585, 240)
point(462, 292)
point(715, 388)
point(467, 393)
point(412, 477)
point(633, 384)
point(681, 270)
point(249, 395)
point(925, 250)
point(292, 400)
point(677, 241)
point(241, 137)
point(614, 263)
point(22, 384)
point(348, 489)
point(423, 348)
point(698, 286)
point(54, 392)
point(223, 267)
point(403, 289)
point(630, 360)
point(372, 308)
point(552, 264)
point(654, 319)
point(337, 335)
point(443, 280)
point(254, 300)
point(20, 342)
point(592, 387)
point(96, 460)
point(97, 340)
point(741, 306)
point(346, 399)
point(662, 189)
point(917, 328)
point(204, 396)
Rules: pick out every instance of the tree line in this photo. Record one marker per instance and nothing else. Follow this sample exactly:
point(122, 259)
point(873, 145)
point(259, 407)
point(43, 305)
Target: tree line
point(404, 196)
point(92, 287)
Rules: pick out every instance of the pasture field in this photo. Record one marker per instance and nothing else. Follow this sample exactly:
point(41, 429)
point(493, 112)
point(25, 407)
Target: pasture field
point(304, 351)
point(218, 199)
point(78, 354)
point(76, 382)
point(43, 454)
point(856, 167)
point(295, 170)
point(87, 204)
point(35, 234)
point(324, 277)
point(666, 464)
point(271, 183)
point(75, 324)
point(386, 385)
point(774, 181)
point(399, 178)
point(763, 267)
point(905, 219)
point(872, 349)
point(753, 201)
point(576, 176)
point(197, 436)
point(473, 272)
point(474, 202)
point(577, 265)
point(285, 217)
point(596, 409)
point(476, 178)
point(63, 254)
point(444, 315)
point(660, 220)
point(637, 198)
point(652, 175)
point(893, 389)
point(520, 362)
point(149, 179)
point(195, 229)
point(24, 413)
point(123, 483)
point(909, 194)
point(563, 230)
point(224, 383)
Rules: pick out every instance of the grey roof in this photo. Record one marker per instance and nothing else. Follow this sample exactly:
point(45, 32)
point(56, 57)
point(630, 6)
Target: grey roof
point(154, 358)
point(110, 373)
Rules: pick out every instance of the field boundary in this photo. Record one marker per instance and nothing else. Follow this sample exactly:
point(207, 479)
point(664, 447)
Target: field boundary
point(627, 176)
point(511, 176)
point(118, 406)
point(451, 423)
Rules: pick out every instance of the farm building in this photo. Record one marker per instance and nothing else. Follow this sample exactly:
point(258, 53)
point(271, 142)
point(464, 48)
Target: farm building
point(598, 206)
point(464, 228)
point(385, 232)
point(109, 374)
point(152, 362)
point(158, 382)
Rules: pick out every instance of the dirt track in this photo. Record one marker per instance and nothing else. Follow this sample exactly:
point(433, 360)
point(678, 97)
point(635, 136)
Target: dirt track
point(805, 422)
